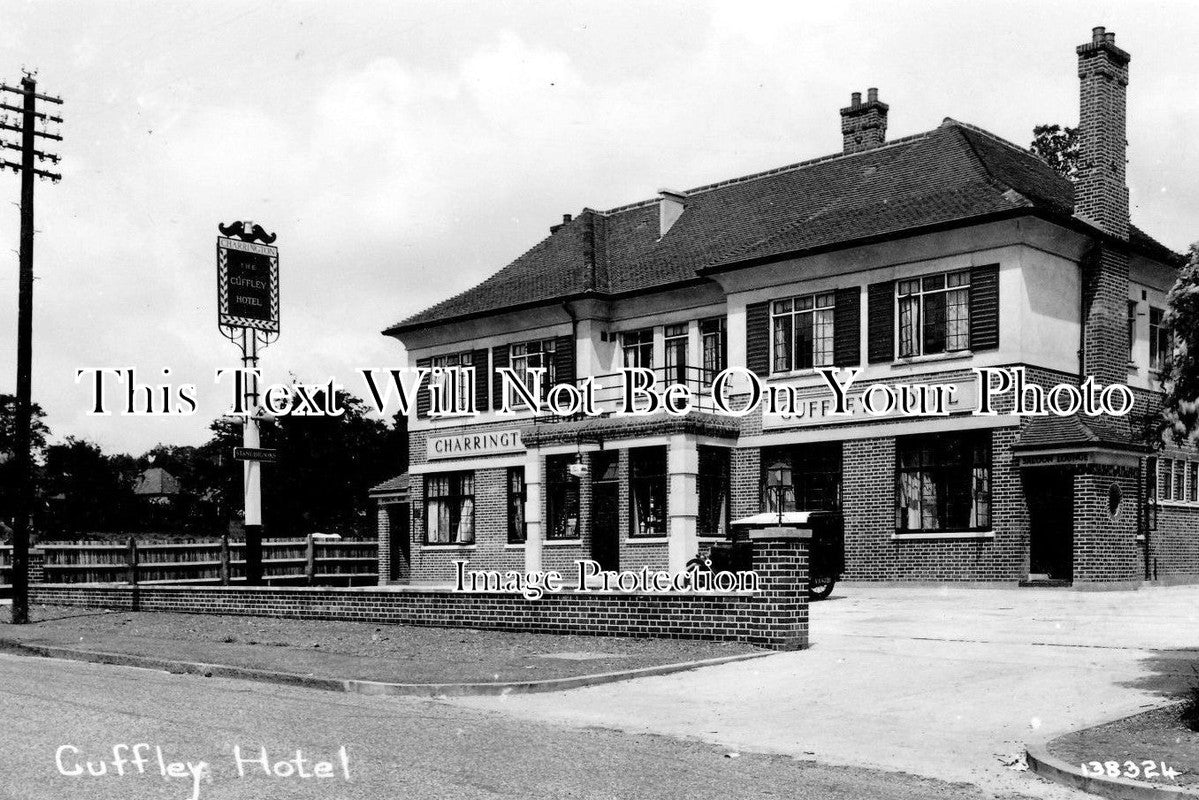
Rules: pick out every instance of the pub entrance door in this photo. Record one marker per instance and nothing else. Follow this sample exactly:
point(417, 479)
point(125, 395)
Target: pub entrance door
point(605, 510)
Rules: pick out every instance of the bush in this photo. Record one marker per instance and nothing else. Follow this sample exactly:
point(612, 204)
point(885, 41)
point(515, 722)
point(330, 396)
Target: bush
point(1189, 714)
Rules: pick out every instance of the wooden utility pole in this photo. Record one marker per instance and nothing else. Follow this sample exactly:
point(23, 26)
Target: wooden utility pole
point(28, 115)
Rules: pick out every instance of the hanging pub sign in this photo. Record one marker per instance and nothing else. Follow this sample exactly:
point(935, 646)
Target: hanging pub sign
point(247, 279)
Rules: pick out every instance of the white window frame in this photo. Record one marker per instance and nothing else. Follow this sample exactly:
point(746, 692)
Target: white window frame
point(919, 295)
point(819, 314)
point(534, 350)
point(462, 361)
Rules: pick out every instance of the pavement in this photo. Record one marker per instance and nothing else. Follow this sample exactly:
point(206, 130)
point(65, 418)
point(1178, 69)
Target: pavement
point(946, 683)
point(394, 748)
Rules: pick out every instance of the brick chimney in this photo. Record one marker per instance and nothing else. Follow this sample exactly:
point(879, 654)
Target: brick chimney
point(1101, 199)
point(863, 125)
point(1100, 191)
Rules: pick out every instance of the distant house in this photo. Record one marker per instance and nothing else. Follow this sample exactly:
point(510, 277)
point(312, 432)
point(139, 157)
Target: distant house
point(156, 485)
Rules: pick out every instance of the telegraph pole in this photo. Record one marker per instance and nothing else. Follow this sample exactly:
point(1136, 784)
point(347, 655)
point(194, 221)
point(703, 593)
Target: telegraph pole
point(28, 115)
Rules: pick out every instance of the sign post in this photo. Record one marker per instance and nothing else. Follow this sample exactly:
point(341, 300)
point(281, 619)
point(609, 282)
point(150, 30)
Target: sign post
point(248, 315)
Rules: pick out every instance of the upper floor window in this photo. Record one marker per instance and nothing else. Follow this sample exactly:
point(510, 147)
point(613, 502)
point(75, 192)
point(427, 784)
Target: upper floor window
point(802, 332)
point(638, 348)
point(713, 347)
point(675, 341)
point(934, 314)
point(456, 386)
point(525, 356)
point(1159, 339)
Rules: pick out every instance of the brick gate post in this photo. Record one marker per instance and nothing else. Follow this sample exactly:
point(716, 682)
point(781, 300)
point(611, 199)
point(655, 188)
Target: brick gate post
point(780, 560)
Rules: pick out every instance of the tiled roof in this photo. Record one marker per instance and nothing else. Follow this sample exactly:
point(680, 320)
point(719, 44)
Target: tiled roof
point(946, 176)
point(1077, 430)
point(156, 481)
point(395, 485)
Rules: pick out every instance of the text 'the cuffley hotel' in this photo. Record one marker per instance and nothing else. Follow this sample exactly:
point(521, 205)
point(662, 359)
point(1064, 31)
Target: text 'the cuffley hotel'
point(914, 260)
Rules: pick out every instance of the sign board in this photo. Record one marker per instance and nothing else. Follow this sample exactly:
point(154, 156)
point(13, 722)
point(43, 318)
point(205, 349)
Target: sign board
point(256, 454)
point(466, 445)
point(247, 285)
point(814, 405)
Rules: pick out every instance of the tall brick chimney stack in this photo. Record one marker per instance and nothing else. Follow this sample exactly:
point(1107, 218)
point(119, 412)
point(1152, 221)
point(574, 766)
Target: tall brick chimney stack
point(863, 125)
point(1101, 199)
point(1100, 191)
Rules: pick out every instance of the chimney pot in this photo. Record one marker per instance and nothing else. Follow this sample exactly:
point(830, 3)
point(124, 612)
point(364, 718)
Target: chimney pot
point(863, 125)
point(565, 218)
point(1097, 34)
point(1110, 37)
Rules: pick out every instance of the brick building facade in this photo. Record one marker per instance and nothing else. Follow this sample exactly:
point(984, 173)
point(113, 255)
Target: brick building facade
point(912, 262)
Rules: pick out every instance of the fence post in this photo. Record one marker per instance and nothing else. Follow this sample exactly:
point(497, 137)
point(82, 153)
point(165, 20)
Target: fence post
point(310, 561)
point(134, 599)
point(225, 569)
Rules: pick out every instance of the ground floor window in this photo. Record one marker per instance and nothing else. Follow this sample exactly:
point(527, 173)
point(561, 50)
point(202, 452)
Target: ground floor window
point(647, 491)
point(802, 477)
point(561, 498)
point(450, 508)
point(712, 485)
point(943, 482)
point(516, 505)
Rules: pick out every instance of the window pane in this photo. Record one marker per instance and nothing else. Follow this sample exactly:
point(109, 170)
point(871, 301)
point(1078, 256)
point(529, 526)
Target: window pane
point(1166, 483)
point(957, 320)
point(934, 323)
point(823, 338)
point(909, 287)
point(647, 478)
point(782, 344)
point(909, 322)
point(803, 340)
point(957, 279)
point(1193, 481)
point(931, 283)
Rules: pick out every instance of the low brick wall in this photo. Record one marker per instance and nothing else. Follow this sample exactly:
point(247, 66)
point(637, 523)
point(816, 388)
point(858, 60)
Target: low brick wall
point(775, 617)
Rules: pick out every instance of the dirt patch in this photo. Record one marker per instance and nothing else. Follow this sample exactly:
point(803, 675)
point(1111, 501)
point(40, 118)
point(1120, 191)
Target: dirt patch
point(1143, 747)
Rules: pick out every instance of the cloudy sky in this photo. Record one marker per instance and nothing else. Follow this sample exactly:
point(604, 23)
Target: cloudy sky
point(404, 150)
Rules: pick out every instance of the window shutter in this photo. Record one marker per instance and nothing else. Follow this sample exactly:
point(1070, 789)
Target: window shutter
point(423, 398)
point(757, 338)
point(880, 324)
point(847, 330)
point(478, 359)
point(564, 359)
point(984, 307)
point(499, 360)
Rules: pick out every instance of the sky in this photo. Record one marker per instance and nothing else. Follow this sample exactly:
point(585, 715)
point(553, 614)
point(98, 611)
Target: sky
point(403, 151)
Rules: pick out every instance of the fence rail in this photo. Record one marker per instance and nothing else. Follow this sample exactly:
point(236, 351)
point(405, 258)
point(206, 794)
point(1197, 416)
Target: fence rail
point(311, 560)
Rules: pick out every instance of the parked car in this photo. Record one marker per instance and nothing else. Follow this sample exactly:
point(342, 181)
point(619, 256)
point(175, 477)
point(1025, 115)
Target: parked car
point(826, 555)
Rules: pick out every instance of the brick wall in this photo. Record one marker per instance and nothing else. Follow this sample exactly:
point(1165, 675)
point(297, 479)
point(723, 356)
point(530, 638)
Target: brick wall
point(1106, 551)
point(774, 617)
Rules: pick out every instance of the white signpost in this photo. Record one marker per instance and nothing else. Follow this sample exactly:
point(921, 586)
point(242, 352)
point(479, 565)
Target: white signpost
point(248, 315)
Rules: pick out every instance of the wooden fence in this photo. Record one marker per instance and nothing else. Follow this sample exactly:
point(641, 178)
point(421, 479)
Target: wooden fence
point(310, 561)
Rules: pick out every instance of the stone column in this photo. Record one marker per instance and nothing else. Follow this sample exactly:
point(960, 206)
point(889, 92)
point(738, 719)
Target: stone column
point(682, 510)
point(534, 509)
point(781, 603)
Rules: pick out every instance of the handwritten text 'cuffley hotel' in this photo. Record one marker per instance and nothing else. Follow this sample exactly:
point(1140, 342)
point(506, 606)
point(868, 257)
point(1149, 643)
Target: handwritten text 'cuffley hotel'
point(914, 260)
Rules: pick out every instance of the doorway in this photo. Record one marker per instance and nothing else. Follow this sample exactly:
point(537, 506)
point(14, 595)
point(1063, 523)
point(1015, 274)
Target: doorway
point(1050, 494)
point(605, 510)
point(399, 568)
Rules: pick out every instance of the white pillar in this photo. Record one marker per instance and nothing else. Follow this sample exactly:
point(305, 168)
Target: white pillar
point(682, 470)
point(534, 503)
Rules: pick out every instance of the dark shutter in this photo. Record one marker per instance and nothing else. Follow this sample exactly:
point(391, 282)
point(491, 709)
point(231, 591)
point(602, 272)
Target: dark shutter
point(499, 360)
point(564, 359)
point(423, 398)
point(847, 328)
point(757, 338)
point(880, 323)
point(984, 307)
point(478, 360)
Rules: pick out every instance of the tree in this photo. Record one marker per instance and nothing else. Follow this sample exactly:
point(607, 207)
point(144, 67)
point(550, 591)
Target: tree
point(8, 464)
point(1180, 371)
point(1057, 146)
point(87, 491)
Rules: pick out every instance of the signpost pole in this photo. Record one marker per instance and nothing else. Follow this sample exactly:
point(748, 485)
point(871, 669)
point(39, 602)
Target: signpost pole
point(248, 315)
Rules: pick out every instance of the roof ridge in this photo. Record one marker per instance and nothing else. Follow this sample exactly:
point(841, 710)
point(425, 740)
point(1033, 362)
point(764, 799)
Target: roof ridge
point(771, 172)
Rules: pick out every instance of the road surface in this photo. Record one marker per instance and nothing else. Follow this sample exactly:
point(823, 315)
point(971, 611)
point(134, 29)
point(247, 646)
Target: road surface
point(61, 715)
